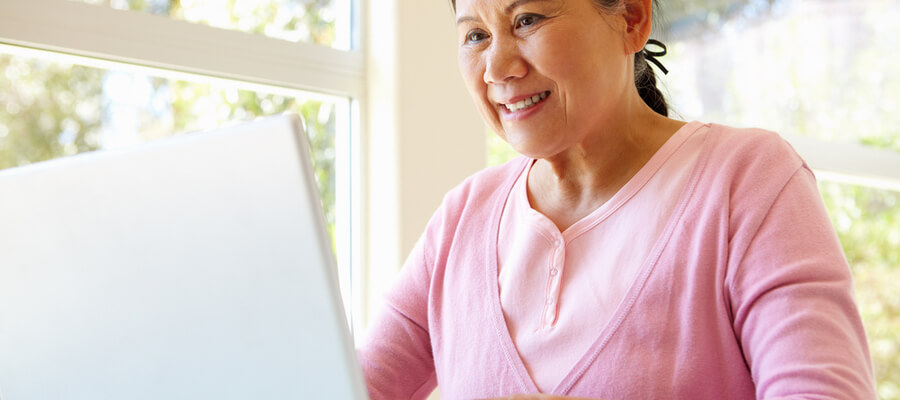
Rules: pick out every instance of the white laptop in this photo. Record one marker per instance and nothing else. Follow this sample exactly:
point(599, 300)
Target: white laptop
point(196, 267)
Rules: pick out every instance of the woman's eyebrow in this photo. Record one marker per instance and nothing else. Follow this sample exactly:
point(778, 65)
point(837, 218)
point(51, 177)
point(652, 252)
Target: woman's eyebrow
point(509, 9)
point(518, 3)
point(465, 18)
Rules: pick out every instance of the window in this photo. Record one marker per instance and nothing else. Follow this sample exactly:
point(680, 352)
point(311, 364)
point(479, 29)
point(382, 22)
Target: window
point(867, 221)
point(324, 22)
point(54, 108)
point(78, 77)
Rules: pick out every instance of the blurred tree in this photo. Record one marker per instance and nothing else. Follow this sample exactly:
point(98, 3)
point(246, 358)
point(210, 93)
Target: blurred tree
point(51, 109)
point(867, 221)
point(311, 21)
point(46, 110)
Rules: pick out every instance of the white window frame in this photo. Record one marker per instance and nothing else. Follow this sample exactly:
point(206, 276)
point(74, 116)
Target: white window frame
point(161, 42)
point(849, 163)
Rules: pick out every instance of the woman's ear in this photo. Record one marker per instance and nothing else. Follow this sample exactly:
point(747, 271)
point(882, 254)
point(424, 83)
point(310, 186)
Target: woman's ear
point(638, 16)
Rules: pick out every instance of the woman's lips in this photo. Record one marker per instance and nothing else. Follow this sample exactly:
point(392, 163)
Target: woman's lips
point(525, 102)
point(523, 106)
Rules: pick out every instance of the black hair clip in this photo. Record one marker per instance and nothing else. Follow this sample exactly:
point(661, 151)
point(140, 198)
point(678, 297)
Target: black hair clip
point(651, 55)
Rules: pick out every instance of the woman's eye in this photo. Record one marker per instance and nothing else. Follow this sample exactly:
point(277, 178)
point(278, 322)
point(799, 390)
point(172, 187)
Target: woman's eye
point(526, 20)
point(475, 36)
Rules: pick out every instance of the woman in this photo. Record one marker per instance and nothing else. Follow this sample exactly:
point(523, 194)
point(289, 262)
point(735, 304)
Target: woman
point(626, 255)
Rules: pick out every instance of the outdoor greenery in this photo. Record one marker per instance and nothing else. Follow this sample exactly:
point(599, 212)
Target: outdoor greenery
point(311, 21)
point(51, 108)
point(47, 110)
point(867, 221)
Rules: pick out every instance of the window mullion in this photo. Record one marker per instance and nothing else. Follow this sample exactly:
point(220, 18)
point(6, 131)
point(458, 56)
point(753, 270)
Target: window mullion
point(850, 162)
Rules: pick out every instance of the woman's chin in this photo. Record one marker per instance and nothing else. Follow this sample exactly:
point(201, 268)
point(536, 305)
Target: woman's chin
point(530, 144)
point(531, 151)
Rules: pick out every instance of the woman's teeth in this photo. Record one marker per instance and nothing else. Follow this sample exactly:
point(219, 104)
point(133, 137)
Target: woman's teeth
point(527, 103)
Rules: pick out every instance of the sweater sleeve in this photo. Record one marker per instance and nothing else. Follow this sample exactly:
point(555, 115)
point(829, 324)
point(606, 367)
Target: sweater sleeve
point(792, 302)
point(396, 357)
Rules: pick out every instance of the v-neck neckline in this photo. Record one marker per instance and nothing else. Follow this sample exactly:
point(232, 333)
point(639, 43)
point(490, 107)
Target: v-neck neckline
point(622, 310)
point(618, 200)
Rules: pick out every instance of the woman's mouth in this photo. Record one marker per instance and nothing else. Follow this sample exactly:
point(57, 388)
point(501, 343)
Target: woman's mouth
point(528, 102)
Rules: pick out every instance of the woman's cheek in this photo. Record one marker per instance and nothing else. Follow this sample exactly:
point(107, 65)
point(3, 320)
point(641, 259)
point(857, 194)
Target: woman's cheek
point(473, 79)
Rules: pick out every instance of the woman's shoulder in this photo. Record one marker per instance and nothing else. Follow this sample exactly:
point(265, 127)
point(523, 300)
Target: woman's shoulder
point(747, 168)
point(471, 204)
point(489, 183)
point(745, 150)
point(751, 142)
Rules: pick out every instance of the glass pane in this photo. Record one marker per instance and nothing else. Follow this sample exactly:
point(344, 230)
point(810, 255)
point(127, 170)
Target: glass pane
point(867, 221)
point(825, 69)
point(325, 22)
point(51, 107)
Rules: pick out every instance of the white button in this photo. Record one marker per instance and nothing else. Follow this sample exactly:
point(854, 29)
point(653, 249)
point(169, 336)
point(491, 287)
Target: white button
point(549, 300)
point(553, 271)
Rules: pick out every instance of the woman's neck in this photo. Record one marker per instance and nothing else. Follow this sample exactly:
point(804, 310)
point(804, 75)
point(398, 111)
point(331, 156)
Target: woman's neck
point(570, 185)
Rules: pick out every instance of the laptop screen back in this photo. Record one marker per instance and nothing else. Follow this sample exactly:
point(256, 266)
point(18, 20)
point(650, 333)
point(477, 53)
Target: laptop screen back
point(197, 267)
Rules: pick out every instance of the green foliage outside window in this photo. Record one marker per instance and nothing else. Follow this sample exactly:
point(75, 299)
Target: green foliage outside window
point(867, 221)
point(51, 108)
point(47, 110)
point(311, 21)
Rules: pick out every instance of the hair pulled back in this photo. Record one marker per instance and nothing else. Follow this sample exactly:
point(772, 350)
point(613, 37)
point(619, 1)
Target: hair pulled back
point(644, 77)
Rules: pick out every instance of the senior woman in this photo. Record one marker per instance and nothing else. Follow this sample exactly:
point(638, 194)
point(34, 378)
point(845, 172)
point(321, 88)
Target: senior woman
point(625, 255)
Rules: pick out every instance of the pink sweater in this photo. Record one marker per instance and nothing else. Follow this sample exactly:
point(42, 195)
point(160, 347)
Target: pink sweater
point(550, 280)
point(746, 295)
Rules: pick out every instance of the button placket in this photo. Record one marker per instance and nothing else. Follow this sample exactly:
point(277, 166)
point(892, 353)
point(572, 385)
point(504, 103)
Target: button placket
point(551, 301)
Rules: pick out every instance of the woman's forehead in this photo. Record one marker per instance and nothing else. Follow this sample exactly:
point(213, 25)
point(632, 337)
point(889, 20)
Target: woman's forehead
point(505, 6)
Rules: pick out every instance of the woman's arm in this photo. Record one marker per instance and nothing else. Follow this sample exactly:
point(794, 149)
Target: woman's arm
point(792, 302)
point(396, 357)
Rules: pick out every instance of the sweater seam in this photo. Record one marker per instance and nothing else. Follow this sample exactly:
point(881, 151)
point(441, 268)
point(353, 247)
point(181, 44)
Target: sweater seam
point(740, 262)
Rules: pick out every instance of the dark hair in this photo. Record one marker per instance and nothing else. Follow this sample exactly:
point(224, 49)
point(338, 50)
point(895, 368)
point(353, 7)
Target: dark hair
point(644, 77)
point(645, 80)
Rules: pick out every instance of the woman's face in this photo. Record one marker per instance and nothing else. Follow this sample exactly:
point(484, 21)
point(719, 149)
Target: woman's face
point(544, 74)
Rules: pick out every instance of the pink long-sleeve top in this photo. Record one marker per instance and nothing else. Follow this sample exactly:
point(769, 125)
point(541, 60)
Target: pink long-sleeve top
point(743, 292)
point(550, 280)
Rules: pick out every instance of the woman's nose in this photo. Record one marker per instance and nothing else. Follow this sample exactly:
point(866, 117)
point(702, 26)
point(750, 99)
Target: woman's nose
point(504, 62)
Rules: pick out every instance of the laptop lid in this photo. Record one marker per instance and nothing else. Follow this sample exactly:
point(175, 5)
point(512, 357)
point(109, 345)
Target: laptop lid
point(196, 267)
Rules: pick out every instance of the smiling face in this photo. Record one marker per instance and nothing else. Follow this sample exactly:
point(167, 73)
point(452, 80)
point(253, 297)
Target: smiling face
point(546, 75)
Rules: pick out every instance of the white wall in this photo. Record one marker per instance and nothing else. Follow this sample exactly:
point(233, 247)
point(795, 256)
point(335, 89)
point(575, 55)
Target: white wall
point(422, 133)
